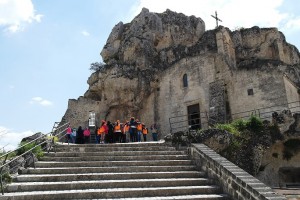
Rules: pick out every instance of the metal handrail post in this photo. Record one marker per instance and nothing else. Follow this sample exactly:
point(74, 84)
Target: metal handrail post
point(1, 182)
point(33, 160)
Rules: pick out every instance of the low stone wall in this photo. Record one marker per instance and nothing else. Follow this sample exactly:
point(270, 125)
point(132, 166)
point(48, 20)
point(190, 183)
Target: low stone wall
point(233, 180)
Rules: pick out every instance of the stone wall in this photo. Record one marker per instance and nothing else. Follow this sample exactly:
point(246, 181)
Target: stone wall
point(233, 180)
point(292, 94)
point(274, 160)
point(254, 90)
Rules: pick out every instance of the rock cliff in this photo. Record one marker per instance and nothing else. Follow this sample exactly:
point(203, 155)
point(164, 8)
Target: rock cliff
point(144, 57)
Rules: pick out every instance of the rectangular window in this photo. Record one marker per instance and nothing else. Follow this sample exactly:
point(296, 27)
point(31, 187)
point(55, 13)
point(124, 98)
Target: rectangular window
point(250, 92)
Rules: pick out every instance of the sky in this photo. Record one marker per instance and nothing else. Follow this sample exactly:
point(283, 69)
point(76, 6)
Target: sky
point(46, 48)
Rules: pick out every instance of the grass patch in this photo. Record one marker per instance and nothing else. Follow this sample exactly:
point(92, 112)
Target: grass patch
point(228, 127)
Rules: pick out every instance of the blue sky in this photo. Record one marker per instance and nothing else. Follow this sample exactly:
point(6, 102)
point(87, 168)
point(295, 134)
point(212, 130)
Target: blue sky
point(47, 47)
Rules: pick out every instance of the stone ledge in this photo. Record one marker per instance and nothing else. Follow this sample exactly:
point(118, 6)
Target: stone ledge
point(233, 180)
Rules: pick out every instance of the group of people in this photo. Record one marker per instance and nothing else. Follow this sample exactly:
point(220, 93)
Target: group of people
point(108, 132)
point(78, 136)
point(130, 131)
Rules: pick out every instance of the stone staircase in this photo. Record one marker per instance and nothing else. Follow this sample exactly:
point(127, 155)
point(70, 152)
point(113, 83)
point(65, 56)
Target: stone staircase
point(114, 171)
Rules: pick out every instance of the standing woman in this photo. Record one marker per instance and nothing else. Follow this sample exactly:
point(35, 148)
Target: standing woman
point(110, 138)
point(101, 133)
point(73, 135)
point(126, 132)
point(154, 132)
point(145, 132)
point(87, 135)
point(117, 131)
point(79, 136)
point(68, 134)
point(133, 131)
point(139, 128)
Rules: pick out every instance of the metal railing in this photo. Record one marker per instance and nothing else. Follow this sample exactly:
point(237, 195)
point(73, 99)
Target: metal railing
point(48, 139)
point(186, 122)
point(182, 122)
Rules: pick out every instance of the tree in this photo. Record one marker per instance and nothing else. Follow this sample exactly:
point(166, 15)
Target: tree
point(97, 66)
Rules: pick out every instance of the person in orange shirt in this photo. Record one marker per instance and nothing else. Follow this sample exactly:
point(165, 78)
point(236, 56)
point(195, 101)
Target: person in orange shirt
point(117, 132)
point(139, 128)
point(145, 132)
point(101, 133)
point(126, 131)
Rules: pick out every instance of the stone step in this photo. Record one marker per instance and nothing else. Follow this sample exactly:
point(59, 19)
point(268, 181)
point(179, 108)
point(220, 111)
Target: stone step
point(112, 193)
point(132, 183)
point(129, 144)
point(113, 153)
point(116, 158)
point(107, 176)
point(102, 148)
point(178, 197)
point(75, 170)
point(113, 163)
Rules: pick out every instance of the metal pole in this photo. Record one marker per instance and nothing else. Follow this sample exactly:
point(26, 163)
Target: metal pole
point(1, 182)
point(33, 160)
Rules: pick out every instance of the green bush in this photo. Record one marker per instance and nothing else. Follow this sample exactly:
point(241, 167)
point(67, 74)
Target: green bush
point(12, 154)
point(6, 177)
point(240, 124)
point(255, 124)
point(37, 151)
point(228, 127)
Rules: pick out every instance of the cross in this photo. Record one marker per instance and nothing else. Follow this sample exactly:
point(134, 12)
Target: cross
point(217, 19)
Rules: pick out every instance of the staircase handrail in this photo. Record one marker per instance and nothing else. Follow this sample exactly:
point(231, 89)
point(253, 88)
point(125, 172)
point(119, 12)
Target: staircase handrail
point(41, 137)
point(29, 151)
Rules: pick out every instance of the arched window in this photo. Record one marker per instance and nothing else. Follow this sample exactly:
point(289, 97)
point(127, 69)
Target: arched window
point(185, 80)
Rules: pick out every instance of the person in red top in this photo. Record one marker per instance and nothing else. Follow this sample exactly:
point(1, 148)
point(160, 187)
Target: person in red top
point(68, 134)
point(86, 134)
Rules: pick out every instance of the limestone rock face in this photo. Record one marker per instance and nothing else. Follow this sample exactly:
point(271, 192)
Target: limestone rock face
point(147, 59)
point(149, 33)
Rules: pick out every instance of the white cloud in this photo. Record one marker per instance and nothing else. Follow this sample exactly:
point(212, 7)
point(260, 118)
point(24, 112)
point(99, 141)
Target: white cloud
point(15, 14)
point(40, 101)
point(10, 138)
point(85, 33)
point(234, 13)
point(45, 103)
point(37, 98)
point(293, 24)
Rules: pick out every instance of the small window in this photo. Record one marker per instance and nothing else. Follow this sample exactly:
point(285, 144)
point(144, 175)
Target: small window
point(185, 81)
point(250, 92)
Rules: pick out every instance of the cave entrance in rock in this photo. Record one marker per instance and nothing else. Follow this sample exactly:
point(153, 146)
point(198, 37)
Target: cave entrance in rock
point(194, 120)
point(290, 176)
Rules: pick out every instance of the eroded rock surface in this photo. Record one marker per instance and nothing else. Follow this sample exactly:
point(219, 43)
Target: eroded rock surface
point(147, 58)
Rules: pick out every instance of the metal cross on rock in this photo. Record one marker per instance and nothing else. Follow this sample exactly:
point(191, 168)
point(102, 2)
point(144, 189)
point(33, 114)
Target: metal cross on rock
point(217, 19)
